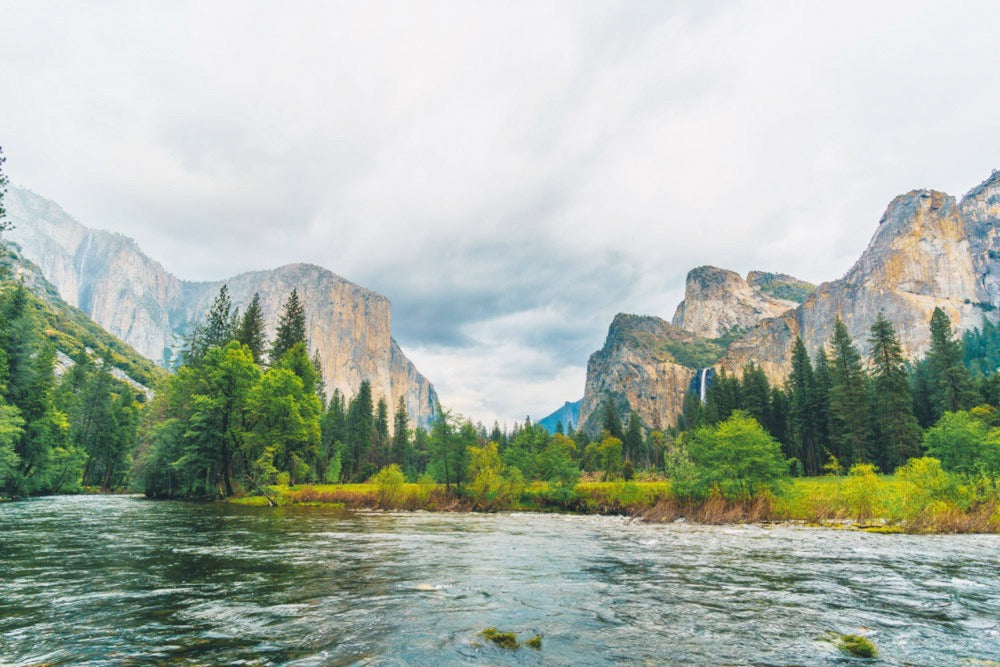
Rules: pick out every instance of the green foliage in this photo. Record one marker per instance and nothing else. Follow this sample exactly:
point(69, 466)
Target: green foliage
point(896, 432)
point(610, 458)
point(849, 406)
point(4, 223)
point(535, 643)
point(858, 646)
point(250, 331)
point(737, 457)
point(861, 491)
point(696, 353)
point(783, 287)
point(11, 431)
point(964, 444)
point(506, 640)
point(389, 485)
point(949, 381)
point(493, 485)
point(291, 327)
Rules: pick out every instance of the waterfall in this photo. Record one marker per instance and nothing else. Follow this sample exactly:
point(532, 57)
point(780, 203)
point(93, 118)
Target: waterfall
point(701, 387)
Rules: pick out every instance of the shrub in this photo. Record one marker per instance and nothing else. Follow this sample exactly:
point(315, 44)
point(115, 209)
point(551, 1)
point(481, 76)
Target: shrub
point(494, 485)
point(388, 486)
point(861, 491)
point(737, 457)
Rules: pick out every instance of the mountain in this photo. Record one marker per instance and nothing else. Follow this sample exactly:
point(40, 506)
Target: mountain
point(717, 302)
point(928, 251)
point(636, 370)
point(568, 415)
point(69, 329)
point(134, 297)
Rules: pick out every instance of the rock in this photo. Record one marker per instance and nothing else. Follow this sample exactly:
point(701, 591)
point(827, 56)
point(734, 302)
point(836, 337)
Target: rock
point(568, 415)
point(717, 302)
point(108, 277)
point(636, 372)
point(920, 258)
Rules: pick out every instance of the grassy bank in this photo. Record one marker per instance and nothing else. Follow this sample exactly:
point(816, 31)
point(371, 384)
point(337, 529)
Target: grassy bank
point(871, 502)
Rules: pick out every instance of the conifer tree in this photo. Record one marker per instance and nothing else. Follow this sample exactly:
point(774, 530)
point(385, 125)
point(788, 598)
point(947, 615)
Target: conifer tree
point(755, 394)
point(851, 433)
point(821, 404)
point(802, 395)
point(250, 330)
point(896, 431)
point(951, 386)
point(360, 433)
point(382, 444)
point(291, 327)
point(5, 224)
point(632, 442)
point(611, 421)
point(401, 436)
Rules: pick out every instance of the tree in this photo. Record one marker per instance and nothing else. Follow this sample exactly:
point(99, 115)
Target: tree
point(401, 436)
point(291, 327)
point(950, 384)
point(897, 433)
point(632, 441)
point(964, 444)
point(360, 434)
point(382, 431)
point(851, 433)
point(286, 416)
point(447, 450)
point(756, 393)
point(737, 457)
point(5, 224)
point(220, 327)
point(802, 411)
point(611, 421)
point(250, 331)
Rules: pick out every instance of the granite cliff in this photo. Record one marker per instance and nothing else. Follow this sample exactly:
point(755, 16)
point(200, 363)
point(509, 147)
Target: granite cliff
point(134, 297)
point(928, 251)
point(717, 302)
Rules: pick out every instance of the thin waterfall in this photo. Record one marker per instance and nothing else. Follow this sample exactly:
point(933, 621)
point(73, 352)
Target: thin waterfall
point(704, 376)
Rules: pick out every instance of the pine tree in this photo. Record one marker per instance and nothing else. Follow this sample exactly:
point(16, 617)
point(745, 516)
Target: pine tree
point(897, 433)
point(851, 432)
point(802, 394)
point(382, 444)
point(632, 442)
point(250, 331)
point(821, 405)
point(950, 383)
point(360, 434)
point(755, 394)
point(291, 327)
point(401, 436)
point(611, 421)
point(5, 224)
point(218, 329)
point(319, 383)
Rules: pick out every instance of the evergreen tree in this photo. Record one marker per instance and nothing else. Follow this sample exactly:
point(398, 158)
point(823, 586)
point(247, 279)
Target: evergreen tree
point(360, 434)
point(250, 331)
point(897, 433)
point(382, 445)
point(777, 418)
point(611, 421)
point(401, 437)
point(821, 405)
point(632, 442)
point(219, 328)
point(802, 394)
point(291, 327)
point(755, 394)
point(722, 398)
point(851, 433)
point(5, 224)
point(950, 384)
point(319, 384)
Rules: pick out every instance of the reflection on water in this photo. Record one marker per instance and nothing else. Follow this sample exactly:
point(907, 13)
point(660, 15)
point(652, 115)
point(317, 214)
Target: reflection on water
point(119, 580)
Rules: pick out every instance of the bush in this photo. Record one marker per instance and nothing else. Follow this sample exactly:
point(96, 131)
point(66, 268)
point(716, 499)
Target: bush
point(861, 491)
point(964, 444)
point(737, 457)
point(388, 486)
point(494, 485)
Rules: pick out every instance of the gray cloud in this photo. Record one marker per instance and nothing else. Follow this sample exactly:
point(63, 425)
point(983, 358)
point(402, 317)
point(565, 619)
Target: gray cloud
point(510, 175)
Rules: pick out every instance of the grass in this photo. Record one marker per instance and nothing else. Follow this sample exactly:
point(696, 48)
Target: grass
point(876, 503)
point(858, 646)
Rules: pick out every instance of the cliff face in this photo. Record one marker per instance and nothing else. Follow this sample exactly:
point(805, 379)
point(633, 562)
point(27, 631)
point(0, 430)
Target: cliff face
point(717, 301)
point(920, 258)
point(928, 251)
point(135, 298)
point(636, 372)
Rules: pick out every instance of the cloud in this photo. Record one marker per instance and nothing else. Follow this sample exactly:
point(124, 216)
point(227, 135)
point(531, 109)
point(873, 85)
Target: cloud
point(509, 175)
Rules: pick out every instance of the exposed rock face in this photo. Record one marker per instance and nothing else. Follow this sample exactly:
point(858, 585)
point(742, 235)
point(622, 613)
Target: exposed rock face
point(717, 301)
point(635, 371)
point(920, 258)
point(135, 298)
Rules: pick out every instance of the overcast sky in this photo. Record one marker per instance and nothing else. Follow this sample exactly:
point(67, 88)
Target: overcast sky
point(509, 174)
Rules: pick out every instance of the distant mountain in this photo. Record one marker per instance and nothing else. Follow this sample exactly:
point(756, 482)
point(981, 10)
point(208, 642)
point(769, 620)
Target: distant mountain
point(108, 277)
point(928, 251)
point(568, 415)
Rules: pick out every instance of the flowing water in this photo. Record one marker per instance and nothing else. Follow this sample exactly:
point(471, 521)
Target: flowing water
point(122, 580)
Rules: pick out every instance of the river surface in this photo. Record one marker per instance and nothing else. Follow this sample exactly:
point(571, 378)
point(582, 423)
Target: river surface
point(103, 580)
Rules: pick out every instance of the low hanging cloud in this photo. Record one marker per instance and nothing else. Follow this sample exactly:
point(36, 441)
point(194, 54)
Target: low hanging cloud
point(509, 175)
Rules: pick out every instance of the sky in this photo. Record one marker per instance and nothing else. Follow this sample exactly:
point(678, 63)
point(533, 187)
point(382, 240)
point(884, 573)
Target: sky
point(509, 174)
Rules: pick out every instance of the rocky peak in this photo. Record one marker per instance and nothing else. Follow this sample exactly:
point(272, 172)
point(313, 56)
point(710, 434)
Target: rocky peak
point(718, 301)
point(134, 297)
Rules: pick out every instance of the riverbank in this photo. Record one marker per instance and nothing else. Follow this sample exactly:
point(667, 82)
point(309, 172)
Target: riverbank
point(876, 503)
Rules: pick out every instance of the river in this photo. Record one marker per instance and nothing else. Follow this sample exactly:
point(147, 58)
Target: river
point(104, 580)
